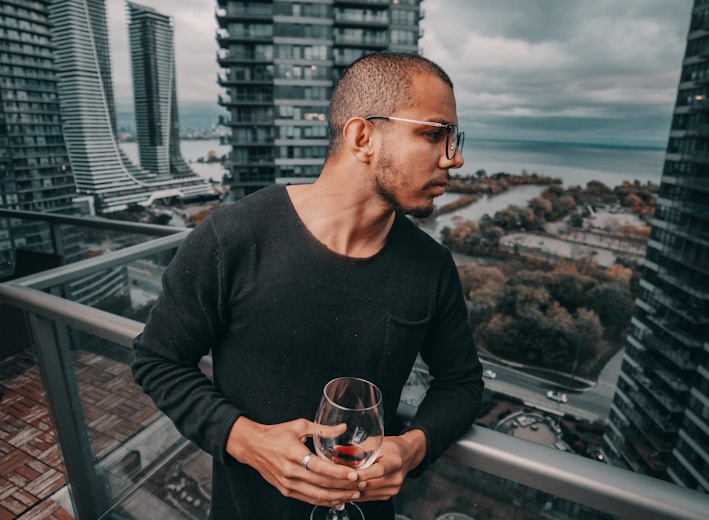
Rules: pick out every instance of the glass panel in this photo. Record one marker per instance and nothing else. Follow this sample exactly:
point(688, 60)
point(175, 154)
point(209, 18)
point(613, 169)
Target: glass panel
point(127, 290)
point(94, 242)
point(77, 242)
point(451, 491)
point(148, 469)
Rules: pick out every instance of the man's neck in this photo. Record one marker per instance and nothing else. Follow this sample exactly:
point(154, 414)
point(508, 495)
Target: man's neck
point(346, 222)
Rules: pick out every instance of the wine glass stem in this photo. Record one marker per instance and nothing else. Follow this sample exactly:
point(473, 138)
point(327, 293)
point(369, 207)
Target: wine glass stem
point(338, 513)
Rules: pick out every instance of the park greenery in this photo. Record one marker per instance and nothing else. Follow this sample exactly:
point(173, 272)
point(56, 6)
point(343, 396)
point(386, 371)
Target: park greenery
point(563, 319)
point(569, 316)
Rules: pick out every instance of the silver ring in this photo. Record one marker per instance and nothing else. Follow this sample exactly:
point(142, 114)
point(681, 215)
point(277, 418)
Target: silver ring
point(305, 460)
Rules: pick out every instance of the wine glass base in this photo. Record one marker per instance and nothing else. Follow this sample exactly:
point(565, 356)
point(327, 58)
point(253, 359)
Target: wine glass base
point(350, 512)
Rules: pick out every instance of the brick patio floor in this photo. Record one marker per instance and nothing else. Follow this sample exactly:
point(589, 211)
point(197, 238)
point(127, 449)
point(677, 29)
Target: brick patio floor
point(31, 468)
point(30, 461)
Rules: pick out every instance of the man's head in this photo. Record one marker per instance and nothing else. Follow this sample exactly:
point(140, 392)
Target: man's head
point(376, 84)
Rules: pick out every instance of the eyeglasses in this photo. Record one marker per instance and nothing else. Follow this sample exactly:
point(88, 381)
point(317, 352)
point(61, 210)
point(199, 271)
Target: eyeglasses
point(454, 138)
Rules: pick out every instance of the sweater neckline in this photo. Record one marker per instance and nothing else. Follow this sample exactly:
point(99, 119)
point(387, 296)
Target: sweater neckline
point(312, 239)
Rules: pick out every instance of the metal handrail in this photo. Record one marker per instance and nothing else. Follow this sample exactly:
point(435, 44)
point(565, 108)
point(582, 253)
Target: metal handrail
point(595, 484)
point(94, 222)
point(70, 272)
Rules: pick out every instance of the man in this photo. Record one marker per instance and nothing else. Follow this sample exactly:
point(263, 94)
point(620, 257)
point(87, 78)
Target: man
point(293, 286)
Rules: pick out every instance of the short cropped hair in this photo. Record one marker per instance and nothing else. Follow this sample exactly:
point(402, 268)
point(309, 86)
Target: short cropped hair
point(376, 84)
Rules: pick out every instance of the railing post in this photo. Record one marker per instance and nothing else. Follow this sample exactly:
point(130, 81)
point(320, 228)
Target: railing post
point(57, 240)
point(56, 368)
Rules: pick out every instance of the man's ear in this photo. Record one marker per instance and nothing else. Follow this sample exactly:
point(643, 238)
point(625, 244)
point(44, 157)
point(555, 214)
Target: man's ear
point(360, 138)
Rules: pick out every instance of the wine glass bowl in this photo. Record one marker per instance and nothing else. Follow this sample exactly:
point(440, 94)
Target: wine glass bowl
point(349, 430)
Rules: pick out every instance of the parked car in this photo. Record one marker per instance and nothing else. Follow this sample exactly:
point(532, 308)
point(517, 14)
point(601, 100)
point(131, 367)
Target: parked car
point(560, 397)
point(489, 373)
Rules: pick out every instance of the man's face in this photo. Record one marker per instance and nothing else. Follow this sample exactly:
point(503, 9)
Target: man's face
point(412, 167)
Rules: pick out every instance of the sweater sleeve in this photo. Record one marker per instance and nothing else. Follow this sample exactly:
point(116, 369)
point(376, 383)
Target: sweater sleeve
point(452, 401)
point(183, 325)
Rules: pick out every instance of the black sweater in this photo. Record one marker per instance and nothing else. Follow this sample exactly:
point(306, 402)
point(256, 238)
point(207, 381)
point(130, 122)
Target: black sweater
point(282, 314)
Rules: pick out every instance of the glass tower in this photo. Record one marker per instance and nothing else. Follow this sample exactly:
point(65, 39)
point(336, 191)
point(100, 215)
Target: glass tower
point(154, 91)
point(34, 165)
point(100, 167)
point(281, 60)
point(659, 421)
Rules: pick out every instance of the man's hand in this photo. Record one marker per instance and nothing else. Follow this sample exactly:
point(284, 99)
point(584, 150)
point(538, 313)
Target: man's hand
point(399, 455)
point(277, 451)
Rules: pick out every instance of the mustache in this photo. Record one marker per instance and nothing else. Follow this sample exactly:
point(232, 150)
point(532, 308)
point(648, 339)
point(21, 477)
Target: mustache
point(437, 182)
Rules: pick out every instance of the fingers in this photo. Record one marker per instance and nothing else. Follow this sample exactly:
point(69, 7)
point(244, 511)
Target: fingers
point(329, 432)
point(330, 470)
point(383, 479)
point(317, 485)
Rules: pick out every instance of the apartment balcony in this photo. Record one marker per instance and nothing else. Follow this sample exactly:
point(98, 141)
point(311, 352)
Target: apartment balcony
point(362, 20)
point(694, 182)
point(667, 422)
point(694, 315)
point(80, 440)
point(243, 12)
point(671, 353)
point(226, 58)
point(246, 99)
point(379, 41)
point(232, 80)
point(365, 4)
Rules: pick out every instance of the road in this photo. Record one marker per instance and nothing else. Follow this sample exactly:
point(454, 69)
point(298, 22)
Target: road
point(591, 404)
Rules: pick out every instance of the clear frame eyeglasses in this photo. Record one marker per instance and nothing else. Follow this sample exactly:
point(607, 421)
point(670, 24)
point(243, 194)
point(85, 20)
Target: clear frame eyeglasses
point(454, 138)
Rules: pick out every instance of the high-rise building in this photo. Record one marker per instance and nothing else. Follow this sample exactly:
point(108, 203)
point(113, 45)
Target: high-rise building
point(659, 421)
point(154, 91)
point(34, 165)
point(100, 167)
point(281, 60)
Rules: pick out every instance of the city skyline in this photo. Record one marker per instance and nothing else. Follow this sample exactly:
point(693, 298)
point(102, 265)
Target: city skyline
point(597, 72)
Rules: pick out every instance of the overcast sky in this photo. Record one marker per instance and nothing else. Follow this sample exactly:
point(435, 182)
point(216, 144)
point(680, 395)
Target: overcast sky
point(596, 71)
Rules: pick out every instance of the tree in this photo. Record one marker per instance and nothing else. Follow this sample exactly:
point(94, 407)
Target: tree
point(552, 192)
point(476, 278)
point(518, 299)
point(576, 220)
point(481, 308)
point(458, 237)
point(542, 208)
point(564, 206)
point(570, 289)
point(588, 334)
point(613, 306)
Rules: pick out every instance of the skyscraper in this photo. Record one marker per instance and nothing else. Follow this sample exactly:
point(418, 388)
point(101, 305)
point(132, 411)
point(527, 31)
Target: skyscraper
point(659, 421)
point(34, 165)
point(154, 91)
point(101, 169)
point(281, 60)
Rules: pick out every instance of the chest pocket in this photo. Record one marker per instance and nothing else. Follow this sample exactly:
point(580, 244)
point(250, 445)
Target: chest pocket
point(403, 342)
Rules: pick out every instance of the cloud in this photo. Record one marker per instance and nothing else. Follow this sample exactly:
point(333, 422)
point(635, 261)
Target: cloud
point(571, 70)
point(600, 69)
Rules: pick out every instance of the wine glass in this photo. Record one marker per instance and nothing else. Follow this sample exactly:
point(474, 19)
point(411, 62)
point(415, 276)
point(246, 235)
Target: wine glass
point(356, 403)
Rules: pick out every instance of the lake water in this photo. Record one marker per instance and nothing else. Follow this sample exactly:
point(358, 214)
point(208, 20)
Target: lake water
point(574, 164)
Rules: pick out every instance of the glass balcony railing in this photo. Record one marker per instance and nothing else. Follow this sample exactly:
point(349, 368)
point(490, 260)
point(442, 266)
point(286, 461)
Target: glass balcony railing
point(121, 458)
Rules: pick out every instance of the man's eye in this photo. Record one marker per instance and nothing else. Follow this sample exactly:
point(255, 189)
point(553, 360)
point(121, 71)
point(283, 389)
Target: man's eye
point(436, 134)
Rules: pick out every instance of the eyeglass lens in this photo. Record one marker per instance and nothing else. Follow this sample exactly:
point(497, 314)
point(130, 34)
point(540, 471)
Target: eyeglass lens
point(454, 141)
